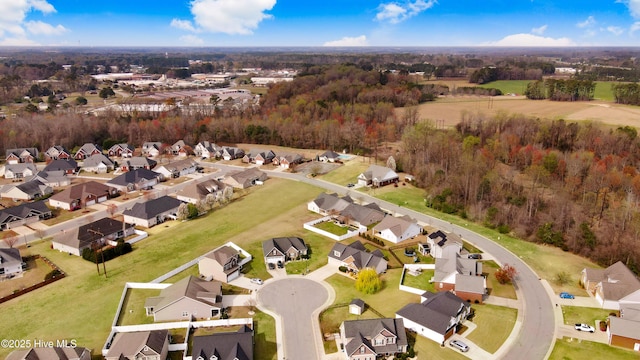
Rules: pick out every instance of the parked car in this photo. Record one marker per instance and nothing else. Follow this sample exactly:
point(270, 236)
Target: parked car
point(584, 327)
point(457, 344)
point(256, 281)
point(350, 185)
point(280, 265)
point(474, 256)
point(566, 295)
point(272, 266)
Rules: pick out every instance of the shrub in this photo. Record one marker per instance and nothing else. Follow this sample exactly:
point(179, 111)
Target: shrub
point(368, 281)
point(51, 274)
point(506, 274)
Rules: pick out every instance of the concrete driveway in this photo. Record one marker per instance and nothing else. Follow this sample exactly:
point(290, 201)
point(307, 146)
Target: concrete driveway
point(294, 301)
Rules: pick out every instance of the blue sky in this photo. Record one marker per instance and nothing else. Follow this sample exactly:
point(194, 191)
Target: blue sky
point(320, 23)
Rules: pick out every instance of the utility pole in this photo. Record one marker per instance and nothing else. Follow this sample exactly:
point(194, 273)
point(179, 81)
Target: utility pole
point(104, 266)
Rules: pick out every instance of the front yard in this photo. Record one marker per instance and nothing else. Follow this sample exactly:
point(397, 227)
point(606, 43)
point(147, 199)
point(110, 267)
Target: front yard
point(494, 324)
point(569, 348)
point(579, 314)
point(495, 288)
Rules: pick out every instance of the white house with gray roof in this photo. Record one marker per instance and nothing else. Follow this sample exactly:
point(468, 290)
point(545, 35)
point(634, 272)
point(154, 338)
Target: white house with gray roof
point(355, 257)
point(139, 345)
point(152, 212)
point(377, 176)
point(98, 163)
point(10, 262)
point(189, 298)
point(373, 338)
point(397, 229)
point(19, 170)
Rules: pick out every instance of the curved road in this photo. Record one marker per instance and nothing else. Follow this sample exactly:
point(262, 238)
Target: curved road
point(536, 335)
point(295, 300)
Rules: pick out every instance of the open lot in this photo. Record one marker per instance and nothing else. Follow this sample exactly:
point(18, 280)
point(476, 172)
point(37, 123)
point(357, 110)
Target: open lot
point(582, 349)
point(82, 305)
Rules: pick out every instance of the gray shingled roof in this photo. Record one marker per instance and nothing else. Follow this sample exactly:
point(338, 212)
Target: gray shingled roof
point(81, 191)
point(97, 159)
point(61, 164)
point(133, 177)
point(362, 331)
point(152, 208)
point(361, 258)
point(283, 244)
point(225, 345)
point(23, 211)
point(129, 344)
point(207, 292)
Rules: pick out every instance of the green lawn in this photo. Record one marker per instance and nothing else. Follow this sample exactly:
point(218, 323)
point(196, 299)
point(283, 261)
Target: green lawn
point(494, 324)
point(429, 349)
point(60, 216)
point(421, 281)
point(579, 314)
point(133, 311)
point(570, 349)
point(333, 228)
point(495, 288)
point(82, 305)
point(507, 86)
point(347, 173)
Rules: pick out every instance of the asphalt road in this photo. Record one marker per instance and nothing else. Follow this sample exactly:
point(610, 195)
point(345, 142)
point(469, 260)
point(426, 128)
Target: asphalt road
point(536, 336)
point(295, 300)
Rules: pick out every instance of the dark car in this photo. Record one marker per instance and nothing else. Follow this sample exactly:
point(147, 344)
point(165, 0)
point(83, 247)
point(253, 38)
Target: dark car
point(280, 265)
point(272, 266)
point(474, 256)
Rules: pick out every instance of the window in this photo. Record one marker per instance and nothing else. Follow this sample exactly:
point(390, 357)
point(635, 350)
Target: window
point(185, 313)
point(336, 253)
point(362, 350)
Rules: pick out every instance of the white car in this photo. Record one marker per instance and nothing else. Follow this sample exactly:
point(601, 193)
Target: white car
point(256, 281)
point(584, 327)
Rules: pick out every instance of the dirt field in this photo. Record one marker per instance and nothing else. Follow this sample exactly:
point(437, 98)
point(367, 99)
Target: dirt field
point(448, 111)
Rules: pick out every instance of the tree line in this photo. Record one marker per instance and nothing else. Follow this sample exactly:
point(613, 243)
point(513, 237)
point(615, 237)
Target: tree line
point(561, 90)
point(571, 185)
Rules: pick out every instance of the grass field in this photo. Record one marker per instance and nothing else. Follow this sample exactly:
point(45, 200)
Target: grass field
point(579, 314)
point(494, 324)
point(422, 281)
point(570, 349)
point(347, 173)
point(82, 305)
point(331, 227)
point(507, 86)
point(133, 311)
point(429, 349)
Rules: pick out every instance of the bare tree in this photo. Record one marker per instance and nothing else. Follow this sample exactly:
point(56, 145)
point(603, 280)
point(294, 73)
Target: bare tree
point(10, 241)
point(112, 209)
point(391, 163)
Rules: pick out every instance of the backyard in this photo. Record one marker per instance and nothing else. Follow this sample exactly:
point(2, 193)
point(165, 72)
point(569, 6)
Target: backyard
point(422, 281)
point(37, 269)
point(332, 227)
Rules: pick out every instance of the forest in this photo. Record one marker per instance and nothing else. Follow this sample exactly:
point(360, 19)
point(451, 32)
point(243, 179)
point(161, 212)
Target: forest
point(567, 184)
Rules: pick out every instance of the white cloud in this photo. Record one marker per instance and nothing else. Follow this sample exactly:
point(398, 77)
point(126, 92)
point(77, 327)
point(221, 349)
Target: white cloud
point(230, 16)
point(633, 5)
point(191, 40)
point(539, 30)
point(395, 12)
point(42, 28)
point(12, 21)
point(183, 25)
point(349, 41)
point(531, 40)
point(615, 30)
point(634, 27)
point(590, 21)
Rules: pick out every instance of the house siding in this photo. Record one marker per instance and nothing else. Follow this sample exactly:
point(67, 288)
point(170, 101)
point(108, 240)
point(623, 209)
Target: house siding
point(194, 308)
point(426, 332)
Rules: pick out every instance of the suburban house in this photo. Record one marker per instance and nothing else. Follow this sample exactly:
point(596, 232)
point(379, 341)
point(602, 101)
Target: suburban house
point(25, 213)
point(329, 204)
point(373, 338)
point(177, 168)
point(82, 195)
point(443, 245)
point(137, 162)
point(189, 298)
point(231, 153)
point(151, 148)
point(377, 176)
point(437, 317)
point(397, 229)
point(462, 276)
point(98, 163)
point(221, 264)
point(57, 152)
point(140, 179)
point(611, 286)
point(259, 157)
point(355, 257)
point(180, 148)
point(329, 156)
point(139, 345)
point(21, 155)
point(121, 150)
point(87, 150)
point(152, 212)
point(624, 331)
point(287, 161)
point(99, 232)
point(245, 178)
point(11, 262)
point(361, 216)
point(29, 190)
point(52, 178)
point(51, 353)
point(207, 150)
point(283, 249)
point(19, 170)
point(194, 192)
point(69, 166)
point(237, 345)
